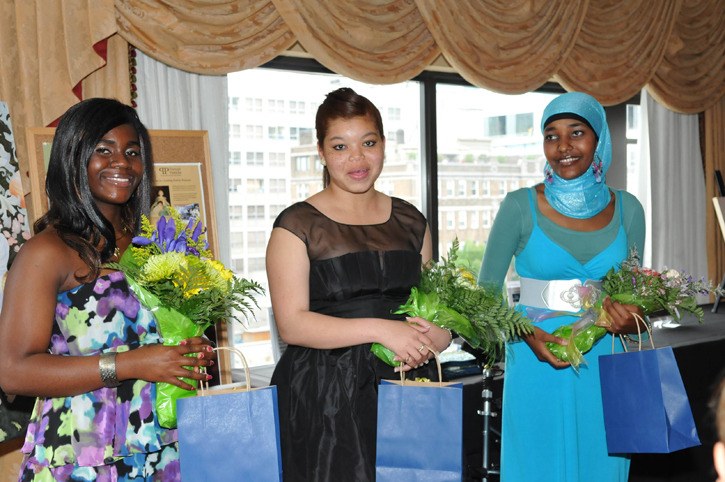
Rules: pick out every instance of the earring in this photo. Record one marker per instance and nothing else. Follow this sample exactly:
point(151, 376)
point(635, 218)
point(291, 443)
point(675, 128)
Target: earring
point(323, 162)
point(548, 174)
point(597, 168)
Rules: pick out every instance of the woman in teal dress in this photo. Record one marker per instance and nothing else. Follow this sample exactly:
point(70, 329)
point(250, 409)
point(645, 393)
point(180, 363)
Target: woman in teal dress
point(72, 333)
point(569, 230)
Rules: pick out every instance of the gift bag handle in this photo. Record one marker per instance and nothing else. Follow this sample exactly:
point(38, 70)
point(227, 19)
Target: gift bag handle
point(639, 320)
point(436, 355)
point(204, 385)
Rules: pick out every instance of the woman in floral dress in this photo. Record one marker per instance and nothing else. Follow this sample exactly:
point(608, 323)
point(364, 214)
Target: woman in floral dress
point(72, 333)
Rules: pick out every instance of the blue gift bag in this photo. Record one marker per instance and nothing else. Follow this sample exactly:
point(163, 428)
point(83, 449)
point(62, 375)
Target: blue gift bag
point(419, 432)
point(230, 434)
point(646, 409)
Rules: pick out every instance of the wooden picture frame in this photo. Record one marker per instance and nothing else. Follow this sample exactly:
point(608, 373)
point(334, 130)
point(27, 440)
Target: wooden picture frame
point(39, 141)
point(171, 148)
point(719, 203)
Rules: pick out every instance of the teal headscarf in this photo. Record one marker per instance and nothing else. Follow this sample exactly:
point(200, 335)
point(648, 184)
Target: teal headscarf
point(588, 194)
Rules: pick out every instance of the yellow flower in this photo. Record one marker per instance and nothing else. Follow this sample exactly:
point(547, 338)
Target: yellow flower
point(467, 276)
point(163, 266)
point(191, 292)
point(219, 267)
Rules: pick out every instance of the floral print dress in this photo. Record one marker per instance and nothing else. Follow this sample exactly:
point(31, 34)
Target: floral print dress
point(109, 434)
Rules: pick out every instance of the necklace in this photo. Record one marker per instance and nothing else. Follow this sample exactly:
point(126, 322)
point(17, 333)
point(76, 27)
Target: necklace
point(117, 250)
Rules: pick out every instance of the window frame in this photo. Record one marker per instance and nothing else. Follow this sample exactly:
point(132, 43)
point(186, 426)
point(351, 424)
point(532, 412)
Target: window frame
point(616, 117)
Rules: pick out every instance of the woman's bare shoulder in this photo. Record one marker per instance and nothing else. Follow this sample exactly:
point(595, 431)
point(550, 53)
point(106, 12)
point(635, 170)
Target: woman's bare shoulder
point(47, 251)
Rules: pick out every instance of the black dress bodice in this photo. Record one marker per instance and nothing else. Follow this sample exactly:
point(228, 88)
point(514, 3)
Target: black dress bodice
point(330, 396)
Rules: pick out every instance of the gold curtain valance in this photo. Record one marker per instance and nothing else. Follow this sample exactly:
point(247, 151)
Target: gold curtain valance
point(205, 37)
point(691, 77)
point(371, 41)
point(609, 48)
point(509, 47)
point(619, 48)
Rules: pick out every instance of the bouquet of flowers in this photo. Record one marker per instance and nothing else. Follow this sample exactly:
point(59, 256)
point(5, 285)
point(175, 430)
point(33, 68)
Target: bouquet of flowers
point(448, 296)
point(172, 272)
point(653, 291)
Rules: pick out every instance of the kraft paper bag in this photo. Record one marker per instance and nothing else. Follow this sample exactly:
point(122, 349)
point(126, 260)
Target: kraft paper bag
point(230, 434)
point(419, 431)
point(646, 409)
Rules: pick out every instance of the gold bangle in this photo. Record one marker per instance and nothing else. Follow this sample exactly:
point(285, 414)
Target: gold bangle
point(107, 368)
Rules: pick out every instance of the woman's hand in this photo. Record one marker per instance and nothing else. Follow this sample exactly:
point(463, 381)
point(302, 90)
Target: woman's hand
point(159, 363)
point(440, 336)
point(622, 317)
point(537, 342)
point(408, 342)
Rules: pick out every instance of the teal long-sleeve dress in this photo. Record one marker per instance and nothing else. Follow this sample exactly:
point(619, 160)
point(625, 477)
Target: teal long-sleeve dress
point(552, 422)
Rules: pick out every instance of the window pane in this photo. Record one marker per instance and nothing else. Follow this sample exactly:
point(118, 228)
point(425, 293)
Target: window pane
point(488, 144)
point(278, 145)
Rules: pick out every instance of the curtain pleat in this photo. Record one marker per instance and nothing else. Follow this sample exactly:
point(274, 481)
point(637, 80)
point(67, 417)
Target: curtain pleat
point(378, 42)
point(506, 46)
point(113, 80)
point(691, 77)
point(714, 153)
point(205, 36)
point(619, 47)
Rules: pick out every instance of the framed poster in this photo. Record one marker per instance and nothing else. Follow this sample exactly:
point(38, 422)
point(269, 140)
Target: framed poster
point(179, 185)
point(182, 175)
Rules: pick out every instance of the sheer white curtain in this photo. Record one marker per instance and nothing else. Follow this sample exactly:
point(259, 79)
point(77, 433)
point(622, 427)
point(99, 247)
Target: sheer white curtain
point(676, 224)
point(642, 186)
point(169, 98)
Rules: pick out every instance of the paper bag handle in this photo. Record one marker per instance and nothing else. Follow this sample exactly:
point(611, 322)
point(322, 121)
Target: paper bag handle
point(204, 385)
point(639, 320)
point(438, 364)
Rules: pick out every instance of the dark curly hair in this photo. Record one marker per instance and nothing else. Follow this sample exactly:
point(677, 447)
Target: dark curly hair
point(344, 103)
point(72, 209)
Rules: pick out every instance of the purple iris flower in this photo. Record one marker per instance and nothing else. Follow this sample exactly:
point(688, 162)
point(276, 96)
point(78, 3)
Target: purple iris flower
point(197, 230)
point(165, 236)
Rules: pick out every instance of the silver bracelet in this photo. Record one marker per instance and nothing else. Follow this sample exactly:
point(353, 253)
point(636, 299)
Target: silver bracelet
point(107, 368)
point(450, 336)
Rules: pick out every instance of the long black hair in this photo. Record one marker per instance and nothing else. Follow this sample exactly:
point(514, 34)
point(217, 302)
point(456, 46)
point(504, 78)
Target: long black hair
point(72, 210)
point(344, 103)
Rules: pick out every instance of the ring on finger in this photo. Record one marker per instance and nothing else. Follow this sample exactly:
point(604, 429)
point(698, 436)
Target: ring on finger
point(407, 359)
point(420, 348)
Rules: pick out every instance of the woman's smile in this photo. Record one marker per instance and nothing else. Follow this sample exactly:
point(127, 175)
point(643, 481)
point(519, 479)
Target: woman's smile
point(118, 180)
point(568, 160)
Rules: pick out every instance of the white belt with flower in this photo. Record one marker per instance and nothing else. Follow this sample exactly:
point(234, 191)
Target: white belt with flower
point(555, 295)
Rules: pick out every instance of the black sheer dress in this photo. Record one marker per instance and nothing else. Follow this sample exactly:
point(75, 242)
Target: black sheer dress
point(328, 398)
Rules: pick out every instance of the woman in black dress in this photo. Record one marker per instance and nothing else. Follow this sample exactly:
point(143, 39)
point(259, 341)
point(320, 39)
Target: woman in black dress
point(339, 263)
